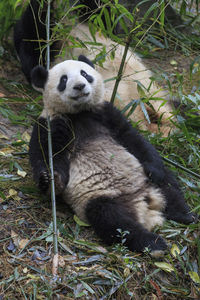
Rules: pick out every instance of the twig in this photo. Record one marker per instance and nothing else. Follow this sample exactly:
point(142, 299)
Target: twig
point(173, 163)
point(119, 75)
point(53, 198)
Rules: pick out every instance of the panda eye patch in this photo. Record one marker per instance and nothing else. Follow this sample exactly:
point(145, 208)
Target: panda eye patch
point(62, 84)
point(89, 78)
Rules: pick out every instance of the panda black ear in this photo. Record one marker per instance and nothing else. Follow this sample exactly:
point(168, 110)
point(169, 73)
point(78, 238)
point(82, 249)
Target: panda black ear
point(85, 60)
point(39, 76)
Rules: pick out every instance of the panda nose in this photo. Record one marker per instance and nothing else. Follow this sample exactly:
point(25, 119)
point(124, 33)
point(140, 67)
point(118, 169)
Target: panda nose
point(79, 86)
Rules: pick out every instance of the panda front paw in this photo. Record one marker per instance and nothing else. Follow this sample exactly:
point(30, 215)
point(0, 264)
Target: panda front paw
point(44, 181)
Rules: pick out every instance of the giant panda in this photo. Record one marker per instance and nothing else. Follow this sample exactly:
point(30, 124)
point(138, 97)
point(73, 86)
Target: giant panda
point(104, 169)
point(30, 36)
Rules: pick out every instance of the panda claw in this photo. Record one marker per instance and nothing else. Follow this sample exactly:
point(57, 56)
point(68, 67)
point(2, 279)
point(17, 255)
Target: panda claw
point(187, 218)
point(44, 181)
point(183, 218)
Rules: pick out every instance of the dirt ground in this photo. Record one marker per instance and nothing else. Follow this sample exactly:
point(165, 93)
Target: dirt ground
point(24, 213)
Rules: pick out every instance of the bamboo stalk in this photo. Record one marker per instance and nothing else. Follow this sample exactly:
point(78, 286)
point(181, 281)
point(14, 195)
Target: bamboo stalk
point(119, 75)
point(53, 198)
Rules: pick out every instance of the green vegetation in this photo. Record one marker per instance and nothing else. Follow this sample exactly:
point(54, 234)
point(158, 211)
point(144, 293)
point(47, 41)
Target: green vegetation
point(87, 269)
point(10, 11)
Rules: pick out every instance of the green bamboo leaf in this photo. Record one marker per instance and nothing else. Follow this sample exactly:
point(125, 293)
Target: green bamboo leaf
point(87, 287)
point(79, 222)
point(162, 13)
point(151, 8)
point(17, 166)
point(133, 104)
point(140, 90)
point(101, 24)
point(90, 245)
point(145, 112)
point(110, 79)
point(77, 7)
point(165, 266)
point(194, 276)
point(175, 250)
point(2, 196)
point(18, 2)
point(92, 29)
point(183, 8)
point(117, 20)
point(107, 19)
point(154, 41)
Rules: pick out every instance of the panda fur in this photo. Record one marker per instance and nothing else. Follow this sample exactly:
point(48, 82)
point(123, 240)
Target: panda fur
point(104, 169)
point(30, 55)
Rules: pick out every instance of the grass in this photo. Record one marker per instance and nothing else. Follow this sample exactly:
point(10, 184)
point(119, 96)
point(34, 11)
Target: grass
point(88, 269)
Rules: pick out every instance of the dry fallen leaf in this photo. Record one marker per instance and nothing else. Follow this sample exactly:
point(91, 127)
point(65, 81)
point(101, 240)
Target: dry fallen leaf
point(55, 265)
point(15, 238)
point(26, 136)
point(22, 243)
point(61, 261)
point(173, 62)
point(12, 193)
point(21, 173)
point(2, 136)
point(25, 270)
point(6, 151)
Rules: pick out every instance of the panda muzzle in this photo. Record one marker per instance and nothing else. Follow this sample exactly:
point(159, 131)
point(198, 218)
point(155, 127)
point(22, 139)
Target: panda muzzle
point(79, 96)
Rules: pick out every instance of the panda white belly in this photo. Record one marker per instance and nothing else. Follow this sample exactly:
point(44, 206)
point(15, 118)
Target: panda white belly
point(102, 168)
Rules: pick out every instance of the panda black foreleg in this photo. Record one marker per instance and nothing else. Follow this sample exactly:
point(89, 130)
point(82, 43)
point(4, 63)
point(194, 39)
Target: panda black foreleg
point(38, 153)
point(176, 207)
point(106, 215)
point(62, 144)
point(127, 136)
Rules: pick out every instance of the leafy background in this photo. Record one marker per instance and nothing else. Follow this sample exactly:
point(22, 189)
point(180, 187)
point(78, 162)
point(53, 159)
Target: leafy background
point(88, 269)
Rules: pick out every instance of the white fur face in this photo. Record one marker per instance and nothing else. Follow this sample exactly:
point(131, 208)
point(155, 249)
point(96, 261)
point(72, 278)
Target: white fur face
point(72, 86)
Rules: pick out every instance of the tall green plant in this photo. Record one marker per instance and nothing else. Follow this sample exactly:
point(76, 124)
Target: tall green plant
point(10, 10)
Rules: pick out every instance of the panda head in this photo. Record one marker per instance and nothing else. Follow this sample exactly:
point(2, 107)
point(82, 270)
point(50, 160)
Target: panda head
point(69, 87)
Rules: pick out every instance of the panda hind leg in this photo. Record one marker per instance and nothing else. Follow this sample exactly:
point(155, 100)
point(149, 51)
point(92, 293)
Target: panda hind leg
point(107, 215)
